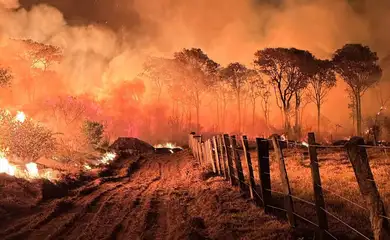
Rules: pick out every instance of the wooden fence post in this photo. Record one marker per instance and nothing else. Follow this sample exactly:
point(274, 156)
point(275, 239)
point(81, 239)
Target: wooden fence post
point(238, 165)
point(252, 183)
point(196, 147)
point(227, 146)
point(205, 156)
point(264, 172)
point(217, 161)
point(288, 202)
point(223, 156)
point(318, 194)
point(359, 159)
point(200, 152)
point(210, 155)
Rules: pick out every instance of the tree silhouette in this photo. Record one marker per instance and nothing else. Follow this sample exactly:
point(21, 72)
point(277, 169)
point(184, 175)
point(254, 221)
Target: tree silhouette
point(198, 72)
point(359, 68)
point(41, 56)
point(5, 77)
point(236, 74)
point(288, 70)
point(320, 84)
point(256, 88)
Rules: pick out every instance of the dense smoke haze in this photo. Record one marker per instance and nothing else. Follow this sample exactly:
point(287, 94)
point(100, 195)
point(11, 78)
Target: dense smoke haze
point(105, 43)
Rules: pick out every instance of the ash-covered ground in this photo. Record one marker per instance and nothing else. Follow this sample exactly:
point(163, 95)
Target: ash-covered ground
point(153, 196)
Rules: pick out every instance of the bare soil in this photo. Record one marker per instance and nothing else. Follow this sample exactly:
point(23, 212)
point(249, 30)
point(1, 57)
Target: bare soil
point(163, 197)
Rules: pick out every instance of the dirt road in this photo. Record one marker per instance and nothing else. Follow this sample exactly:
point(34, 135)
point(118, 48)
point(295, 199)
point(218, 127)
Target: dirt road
point(167, 197)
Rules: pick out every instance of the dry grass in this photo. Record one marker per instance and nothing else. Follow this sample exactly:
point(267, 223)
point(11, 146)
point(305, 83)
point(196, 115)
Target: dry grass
point(338, 181)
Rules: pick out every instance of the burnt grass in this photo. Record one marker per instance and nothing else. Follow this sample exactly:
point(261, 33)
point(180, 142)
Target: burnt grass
point(165, 197)
point(340, 188)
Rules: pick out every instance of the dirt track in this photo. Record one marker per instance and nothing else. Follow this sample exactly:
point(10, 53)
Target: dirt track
point(167, 197)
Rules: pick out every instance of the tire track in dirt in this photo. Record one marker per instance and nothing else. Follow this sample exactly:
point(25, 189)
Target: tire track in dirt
point(51, 213)
point(167, 197)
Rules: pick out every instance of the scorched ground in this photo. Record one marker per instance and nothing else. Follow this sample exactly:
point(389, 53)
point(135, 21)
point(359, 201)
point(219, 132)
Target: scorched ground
point(151, 197)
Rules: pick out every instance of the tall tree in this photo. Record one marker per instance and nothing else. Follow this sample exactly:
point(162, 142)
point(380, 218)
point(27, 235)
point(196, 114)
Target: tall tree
point(41, 56)
point(5, 77)
point(199, 74)
point(288, 70)
point(236, 74)
point(156, 70)
point(323, 79)
point(255, 88)
point(359, 68)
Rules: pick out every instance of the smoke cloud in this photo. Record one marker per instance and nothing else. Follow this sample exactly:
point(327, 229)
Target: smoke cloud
point(98, 59)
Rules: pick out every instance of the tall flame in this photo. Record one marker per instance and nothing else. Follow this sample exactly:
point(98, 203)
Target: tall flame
point(32, 170)
point(20, 117)
point(6, 167)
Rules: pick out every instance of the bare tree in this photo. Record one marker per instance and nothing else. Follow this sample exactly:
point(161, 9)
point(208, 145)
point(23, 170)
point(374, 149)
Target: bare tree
point(40, 55)
point(157, 70)
point(320, 83)
point(287, 70)
point(265, 103)
point(359, 68)
point(255, 89)
point(198, 72)
point(5, 77)
point(236, 74)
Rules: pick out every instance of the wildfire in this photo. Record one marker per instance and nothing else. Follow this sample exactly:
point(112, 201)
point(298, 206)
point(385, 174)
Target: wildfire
point(108, 157)
point(87, 167)
point(167, 145)
point(305, 144)
point(30, 172)
point(283, 137)
point(6, 167)
point(20, 117)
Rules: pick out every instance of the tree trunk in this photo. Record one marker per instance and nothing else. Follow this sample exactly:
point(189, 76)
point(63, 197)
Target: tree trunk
point(253, 115)
point(239, 111)
point(358, 115)
point(318, 120)
point(287, 126)
point(223, 115)
point(218, 121)
point(297, 112)
point(197, 118)
point(282, 112)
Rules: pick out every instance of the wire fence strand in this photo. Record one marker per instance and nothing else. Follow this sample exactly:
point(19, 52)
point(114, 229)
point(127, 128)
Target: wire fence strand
point(240, 150)
point(346, 224)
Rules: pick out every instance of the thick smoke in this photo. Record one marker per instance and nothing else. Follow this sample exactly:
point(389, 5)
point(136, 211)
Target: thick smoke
point(98, 60)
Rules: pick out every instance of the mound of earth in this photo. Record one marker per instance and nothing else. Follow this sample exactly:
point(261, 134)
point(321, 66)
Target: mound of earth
point(127, 145)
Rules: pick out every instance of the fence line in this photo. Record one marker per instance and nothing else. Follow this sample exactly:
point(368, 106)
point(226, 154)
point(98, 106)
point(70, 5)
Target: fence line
point(221, 152)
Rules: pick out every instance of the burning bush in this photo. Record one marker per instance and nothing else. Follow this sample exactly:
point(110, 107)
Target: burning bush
point(93, 131)
point(23, 138)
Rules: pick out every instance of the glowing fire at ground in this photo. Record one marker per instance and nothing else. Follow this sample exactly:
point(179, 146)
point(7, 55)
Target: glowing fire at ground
point(30, 172)
point(20, 117)
point(107, 157)
point(167, 145)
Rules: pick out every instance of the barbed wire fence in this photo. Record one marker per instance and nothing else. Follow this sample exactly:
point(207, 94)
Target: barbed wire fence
point(222, 153)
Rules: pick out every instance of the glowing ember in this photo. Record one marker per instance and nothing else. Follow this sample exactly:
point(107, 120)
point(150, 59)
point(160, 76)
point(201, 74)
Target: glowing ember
point(86, 166)
point(108, 157)
point(167, 145)
point(283, 137)
point(6, 167)
point(305, 144)
point(20, 117)
point(32, 170)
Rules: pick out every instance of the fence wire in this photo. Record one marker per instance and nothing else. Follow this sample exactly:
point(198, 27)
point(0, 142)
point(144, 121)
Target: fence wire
point(239, 150)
